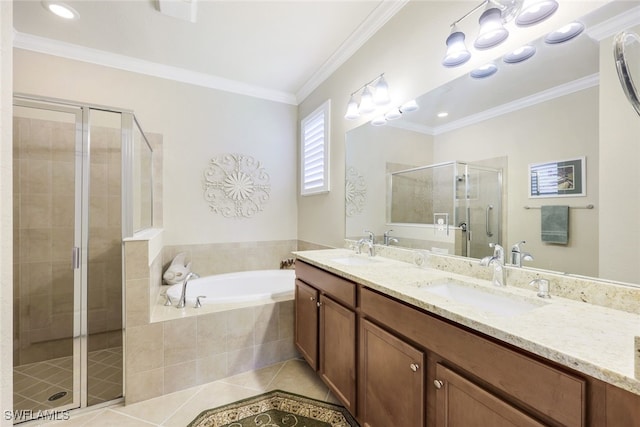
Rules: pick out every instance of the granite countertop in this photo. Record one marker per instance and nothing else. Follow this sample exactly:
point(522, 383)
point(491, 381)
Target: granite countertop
point(595, 340)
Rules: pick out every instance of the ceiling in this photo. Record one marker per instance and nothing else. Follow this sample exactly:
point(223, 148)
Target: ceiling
point(277, 50)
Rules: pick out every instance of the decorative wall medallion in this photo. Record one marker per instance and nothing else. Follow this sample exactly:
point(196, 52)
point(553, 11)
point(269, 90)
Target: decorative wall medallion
point(236, 186)
point(355, 192)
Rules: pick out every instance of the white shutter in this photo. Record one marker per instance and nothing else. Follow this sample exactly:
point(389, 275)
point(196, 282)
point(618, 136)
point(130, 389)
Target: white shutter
point(314, 149)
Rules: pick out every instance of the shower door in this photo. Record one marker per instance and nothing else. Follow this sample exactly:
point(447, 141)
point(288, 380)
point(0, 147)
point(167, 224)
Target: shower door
point(484, 209)
point(67, 257)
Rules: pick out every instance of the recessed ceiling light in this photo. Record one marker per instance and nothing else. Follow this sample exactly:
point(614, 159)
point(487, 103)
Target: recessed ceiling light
point(61, 9)
point(443, 114)
point(520, 54)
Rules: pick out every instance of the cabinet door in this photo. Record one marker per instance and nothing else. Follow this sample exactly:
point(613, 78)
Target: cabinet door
point(338, 350)
point(306, 323)
point(392, 380)
point(461, 403)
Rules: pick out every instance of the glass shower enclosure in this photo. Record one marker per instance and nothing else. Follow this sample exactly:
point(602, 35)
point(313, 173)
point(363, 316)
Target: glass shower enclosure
point(459, 200)
point(74, 200)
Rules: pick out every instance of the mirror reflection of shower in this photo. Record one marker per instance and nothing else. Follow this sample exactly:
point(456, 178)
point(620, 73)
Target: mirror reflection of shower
point(467, 197)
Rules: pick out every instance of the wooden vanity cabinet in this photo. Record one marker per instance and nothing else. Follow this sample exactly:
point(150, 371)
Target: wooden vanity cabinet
point(325, 329)
point(391, 379)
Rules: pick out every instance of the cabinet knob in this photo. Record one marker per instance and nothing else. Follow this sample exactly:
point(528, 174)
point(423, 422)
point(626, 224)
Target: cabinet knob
point(438, 384)
point(414, 367)
point(312, 298)
point(318, 303)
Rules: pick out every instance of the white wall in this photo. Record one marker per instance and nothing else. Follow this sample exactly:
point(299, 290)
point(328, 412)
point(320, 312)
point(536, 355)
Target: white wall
point(408, 49)
point(6, 212)
point(619, 198)
point(197, 124)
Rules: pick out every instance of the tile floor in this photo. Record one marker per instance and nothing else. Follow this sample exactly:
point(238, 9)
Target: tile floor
point(180, 408)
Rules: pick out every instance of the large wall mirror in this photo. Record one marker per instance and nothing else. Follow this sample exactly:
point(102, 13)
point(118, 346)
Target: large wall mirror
point(564, 103)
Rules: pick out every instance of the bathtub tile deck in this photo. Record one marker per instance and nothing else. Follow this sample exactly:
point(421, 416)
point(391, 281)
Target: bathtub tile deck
point(179, 408)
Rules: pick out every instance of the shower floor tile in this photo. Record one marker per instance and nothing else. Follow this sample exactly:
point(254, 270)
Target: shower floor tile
point(35, 383)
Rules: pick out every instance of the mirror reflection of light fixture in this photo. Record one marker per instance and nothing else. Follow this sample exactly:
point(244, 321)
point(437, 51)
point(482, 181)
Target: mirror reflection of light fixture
point(492, 32)
point(409, 106)
point(457, 53)
point(60, 9)
point(520, 54)
point(485, 71)
point(375, 93)
point(379, 121)
point(564, 34)
point(535, 11)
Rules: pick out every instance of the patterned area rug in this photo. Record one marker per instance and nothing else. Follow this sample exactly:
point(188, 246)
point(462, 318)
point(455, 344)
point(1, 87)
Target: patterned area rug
point(276, 409)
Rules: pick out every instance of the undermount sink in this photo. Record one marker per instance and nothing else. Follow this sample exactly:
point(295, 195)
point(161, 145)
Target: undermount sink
point(353, 260)
point(487, 301)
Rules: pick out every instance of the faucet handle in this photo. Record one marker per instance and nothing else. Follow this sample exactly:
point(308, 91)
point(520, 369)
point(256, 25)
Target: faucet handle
point(543, 287)
point(198, 304)
point(372, 237)
point(516, 246)
point(168, 301)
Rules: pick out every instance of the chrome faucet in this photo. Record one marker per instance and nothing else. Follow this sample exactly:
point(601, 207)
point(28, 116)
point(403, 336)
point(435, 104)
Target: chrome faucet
point(183, 296)
point(370, 242)
point(543, 287)
point(497, 261)
point(517, 256)
point(388, 239)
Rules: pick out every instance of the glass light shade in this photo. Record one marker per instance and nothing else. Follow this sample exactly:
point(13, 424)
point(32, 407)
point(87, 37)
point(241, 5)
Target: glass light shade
point(485, 71)
point(457, 53)
point(535, 11)
point(366, 102)
point(61, 9)
point(565, 33)
point(393, 114)
point(352, 109)
point(379, 121)
point(492, 32)
point(409, 106)
point(520, 54)
point(381, 92)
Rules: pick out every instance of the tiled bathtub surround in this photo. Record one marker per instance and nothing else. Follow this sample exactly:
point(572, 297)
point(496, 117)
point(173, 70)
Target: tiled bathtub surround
point(199, 346)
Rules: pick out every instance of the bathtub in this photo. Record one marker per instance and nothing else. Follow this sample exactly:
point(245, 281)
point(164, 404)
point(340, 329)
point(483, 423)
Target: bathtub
point(238, 287)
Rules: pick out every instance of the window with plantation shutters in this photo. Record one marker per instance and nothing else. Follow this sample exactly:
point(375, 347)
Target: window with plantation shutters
point(314, 151)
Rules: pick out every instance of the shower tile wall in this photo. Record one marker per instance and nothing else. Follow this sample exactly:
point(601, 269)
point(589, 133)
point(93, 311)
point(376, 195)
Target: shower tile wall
point(43, 237)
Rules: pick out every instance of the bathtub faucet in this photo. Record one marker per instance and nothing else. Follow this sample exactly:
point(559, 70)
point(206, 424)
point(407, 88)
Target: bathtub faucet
point(183, 296)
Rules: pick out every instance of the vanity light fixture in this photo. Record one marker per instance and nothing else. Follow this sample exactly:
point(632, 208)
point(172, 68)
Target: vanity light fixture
point(535, 11)
point(393, 114)
point(485, 71)
point(457, 53)
point(520, 54)
point(375, 93)
point(492, 31)
point(61, 10)
point(564, 34)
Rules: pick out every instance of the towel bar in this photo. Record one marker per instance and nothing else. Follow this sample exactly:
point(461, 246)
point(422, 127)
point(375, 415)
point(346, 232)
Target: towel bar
point(570, 207)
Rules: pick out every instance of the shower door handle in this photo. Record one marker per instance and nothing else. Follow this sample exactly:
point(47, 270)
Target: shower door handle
point(75, 258)
point(488, 225)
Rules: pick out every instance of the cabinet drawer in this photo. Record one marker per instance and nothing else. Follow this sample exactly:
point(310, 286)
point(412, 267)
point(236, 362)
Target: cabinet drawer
point(339, 288)
point(551, 392)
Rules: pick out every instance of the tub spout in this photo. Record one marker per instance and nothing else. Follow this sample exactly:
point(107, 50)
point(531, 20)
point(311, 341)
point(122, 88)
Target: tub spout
point(183, 297)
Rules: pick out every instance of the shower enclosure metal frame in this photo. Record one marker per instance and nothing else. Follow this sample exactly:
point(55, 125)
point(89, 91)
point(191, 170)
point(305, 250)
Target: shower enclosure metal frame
point(79, 253)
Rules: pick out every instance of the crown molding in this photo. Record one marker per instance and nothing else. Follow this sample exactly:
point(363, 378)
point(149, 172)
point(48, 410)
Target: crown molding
point(528, 101)
point(127, 63)
point(612, 26)
point(376, 19)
